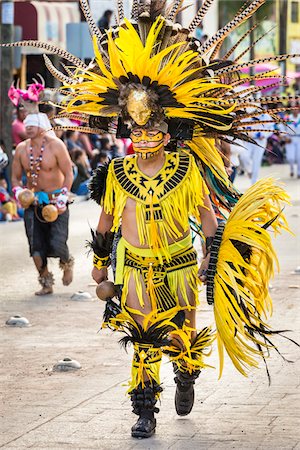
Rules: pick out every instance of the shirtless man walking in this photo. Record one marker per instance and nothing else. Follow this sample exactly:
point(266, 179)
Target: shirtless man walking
point(47, 166)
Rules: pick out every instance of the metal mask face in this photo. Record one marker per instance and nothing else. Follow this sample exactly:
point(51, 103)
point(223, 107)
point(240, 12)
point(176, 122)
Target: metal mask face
point(147, 143)
point(138, 106)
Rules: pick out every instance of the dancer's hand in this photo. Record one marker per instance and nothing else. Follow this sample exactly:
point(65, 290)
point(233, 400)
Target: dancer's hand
point(202, 272)
point(99, 274)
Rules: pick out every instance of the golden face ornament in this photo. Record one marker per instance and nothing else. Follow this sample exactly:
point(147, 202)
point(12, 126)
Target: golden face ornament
point(147, 143)
point(138, 106)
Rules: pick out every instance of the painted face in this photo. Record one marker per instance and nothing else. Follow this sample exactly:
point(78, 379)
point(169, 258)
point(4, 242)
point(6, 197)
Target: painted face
point(138, 107)
point(147, 143)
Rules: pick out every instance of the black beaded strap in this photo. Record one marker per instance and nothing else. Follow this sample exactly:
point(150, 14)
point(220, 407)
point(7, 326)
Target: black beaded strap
point(214, 252)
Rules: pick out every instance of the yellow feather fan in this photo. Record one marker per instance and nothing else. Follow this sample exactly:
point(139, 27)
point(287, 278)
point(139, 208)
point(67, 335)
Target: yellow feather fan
point(245, 264)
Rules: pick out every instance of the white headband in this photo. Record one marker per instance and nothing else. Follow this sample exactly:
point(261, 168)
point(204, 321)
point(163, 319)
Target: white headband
point(37, 120)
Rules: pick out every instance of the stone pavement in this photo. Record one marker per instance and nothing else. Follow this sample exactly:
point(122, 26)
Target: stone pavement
point(88, 409)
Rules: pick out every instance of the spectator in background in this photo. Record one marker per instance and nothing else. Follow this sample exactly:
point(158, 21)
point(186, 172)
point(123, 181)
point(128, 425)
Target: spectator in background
point(18, 128)
point(82, 177)
point(224, 150)
point(72, 141)
point(104, 21)
point(99, 159)
point(4, 161)
point(8, 206)
point(235, 152)
point(256, 151)
point(85, 144)
point(292, 142)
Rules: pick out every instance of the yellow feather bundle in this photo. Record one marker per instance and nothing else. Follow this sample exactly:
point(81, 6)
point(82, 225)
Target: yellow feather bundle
point(242, 302)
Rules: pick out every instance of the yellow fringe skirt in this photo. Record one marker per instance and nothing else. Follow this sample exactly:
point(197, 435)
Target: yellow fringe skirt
point(166, 285)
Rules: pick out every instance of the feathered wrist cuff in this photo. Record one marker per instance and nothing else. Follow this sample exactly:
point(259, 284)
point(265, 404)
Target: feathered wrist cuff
point(101, 246)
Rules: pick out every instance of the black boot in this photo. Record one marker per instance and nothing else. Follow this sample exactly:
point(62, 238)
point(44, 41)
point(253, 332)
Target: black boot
point(184, 396)
point(143, 402)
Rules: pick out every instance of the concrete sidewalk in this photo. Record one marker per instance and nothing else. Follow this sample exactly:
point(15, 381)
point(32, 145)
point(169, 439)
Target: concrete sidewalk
point(88, 409)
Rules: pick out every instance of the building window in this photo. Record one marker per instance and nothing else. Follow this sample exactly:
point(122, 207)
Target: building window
point(294, 12)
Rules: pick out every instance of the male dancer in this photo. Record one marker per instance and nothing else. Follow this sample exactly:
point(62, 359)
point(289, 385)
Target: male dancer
point(47, 165)
point(159, 267)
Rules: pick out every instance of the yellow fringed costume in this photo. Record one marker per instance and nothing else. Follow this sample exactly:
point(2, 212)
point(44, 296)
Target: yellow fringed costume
point(163, 203)
point(152, 81)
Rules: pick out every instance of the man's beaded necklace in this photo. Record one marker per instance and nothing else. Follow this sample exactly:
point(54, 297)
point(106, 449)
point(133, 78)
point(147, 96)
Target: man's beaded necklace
point(35, 164)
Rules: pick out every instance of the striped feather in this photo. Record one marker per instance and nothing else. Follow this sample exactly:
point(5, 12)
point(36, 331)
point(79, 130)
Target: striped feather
point(254, 62)
point(56, 73)
point(80, 117)
point(236, 22)
point(50, 48)
point(229, 53)
point(78, 128)
point(135, 10)
point(175, 6)
point(120, 8)
point(94, 30)
point(68, 69)
point(253, 44)
point(200, 15)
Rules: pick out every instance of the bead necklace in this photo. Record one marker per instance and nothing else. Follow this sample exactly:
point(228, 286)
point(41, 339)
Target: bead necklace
point(35, 164)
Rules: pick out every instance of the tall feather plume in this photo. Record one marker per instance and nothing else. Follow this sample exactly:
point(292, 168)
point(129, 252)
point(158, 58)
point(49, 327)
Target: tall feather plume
point(253, 62)
point(68, 69)
point(256, 130)
point(120, 8)
point(200, 14)
point(216, 50)
point(56, 73)
point(271, 111)
point(259, 76)
point(51, 49)
point(255, 122)
point(235, 22)
point(229, 53)
point(135, 10)
point(253, 44)
point(220, 43)
point(278, 99)
point(78, 128)
point(94, 30)
point(157, 8)
point(254, 89)
point(80, 117)
point(175, 6)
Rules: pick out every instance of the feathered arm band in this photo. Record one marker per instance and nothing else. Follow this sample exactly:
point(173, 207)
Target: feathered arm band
point(101, 246)
point(97, 184)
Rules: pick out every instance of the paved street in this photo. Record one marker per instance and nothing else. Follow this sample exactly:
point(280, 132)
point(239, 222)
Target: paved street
point(88, 409)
